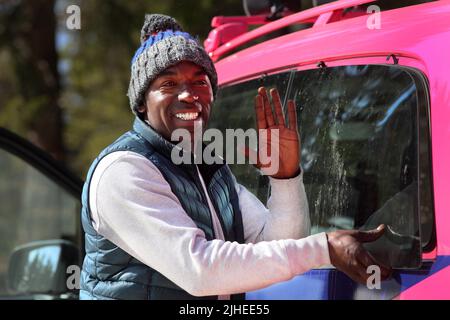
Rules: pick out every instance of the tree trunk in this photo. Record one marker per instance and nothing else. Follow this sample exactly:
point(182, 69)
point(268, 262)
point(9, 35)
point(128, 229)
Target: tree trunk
point(36, 65)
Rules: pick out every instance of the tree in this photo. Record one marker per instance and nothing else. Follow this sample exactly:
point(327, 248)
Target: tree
point(28, 37)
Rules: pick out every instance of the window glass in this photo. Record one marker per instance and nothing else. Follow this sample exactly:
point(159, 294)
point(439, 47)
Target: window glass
point(233, 109)
point(360, 128)
point(33, 208)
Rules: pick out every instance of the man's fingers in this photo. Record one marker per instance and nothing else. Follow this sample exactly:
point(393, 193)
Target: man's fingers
point(292, 113)
point(371, 235)
point(267, 107)
point(278, 109)
point(260, 117)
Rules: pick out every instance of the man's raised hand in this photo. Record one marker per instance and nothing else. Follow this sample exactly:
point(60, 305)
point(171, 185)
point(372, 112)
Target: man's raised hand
point(286, 134)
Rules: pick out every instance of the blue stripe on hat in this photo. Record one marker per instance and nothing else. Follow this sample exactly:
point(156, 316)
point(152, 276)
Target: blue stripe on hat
point(157, 38)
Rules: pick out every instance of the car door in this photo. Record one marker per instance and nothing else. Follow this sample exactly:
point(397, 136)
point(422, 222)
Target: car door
point(40, 230)
point(366, 161)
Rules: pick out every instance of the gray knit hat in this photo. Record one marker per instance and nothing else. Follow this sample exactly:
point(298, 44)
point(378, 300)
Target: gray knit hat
point(164, 44)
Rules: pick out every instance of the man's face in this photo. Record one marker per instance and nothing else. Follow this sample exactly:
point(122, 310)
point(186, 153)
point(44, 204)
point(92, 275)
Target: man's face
point(180, 97)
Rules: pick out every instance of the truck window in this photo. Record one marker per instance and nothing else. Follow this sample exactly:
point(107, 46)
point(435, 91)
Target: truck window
point(365, 150)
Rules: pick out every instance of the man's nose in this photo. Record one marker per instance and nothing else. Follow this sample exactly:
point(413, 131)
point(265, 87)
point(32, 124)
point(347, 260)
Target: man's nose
point(187, 95)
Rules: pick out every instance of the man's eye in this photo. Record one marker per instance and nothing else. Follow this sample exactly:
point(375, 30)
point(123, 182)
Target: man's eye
point(201, 82)
point(169, 84)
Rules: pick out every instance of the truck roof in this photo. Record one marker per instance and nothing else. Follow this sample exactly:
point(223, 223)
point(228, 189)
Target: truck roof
point(415, 32)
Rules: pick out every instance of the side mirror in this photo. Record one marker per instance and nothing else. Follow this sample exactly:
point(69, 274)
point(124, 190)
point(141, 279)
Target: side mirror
point(40, 267)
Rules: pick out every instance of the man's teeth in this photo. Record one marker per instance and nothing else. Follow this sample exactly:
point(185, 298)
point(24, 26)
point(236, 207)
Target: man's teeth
point(187, 116)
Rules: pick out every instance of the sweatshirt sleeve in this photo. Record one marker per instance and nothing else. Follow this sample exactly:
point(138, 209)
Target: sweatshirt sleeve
point(137, 211)
point(285, 217)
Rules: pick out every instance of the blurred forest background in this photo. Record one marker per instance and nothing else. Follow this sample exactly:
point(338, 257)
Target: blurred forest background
point(65, 90)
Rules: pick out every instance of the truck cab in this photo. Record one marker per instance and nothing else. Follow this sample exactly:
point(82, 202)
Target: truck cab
point(371, 88)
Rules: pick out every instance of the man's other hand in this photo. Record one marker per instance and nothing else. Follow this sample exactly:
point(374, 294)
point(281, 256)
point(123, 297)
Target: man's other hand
point(348, 255)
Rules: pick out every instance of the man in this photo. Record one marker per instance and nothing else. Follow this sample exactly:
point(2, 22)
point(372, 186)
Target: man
point(157, 230)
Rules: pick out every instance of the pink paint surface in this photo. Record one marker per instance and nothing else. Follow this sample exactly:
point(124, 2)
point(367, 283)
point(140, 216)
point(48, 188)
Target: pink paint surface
point(434, 287)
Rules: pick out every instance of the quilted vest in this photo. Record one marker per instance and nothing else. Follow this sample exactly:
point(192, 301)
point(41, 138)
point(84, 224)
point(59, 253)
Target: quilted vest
point(111, 273)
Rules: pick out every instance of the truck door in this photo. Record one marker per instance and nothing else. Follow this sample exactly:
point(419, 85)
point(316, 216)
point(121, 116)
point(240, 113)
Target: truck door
point(39, 223)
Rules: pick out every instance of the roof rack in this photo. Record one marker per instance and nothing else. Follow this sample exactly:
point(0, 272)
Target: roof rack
point(232, 32)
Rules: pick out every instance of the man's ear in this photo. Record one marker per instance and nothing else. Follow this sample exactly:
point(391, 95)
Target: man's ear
point(141, 108)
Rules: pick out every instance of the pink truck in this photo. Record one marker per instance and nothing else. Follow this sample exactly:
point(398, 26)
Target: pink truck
point(372, 88)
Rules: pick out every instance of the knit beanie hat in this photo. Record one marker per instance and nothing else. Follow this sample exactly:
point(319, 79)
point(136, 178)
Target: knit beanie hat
point(164, 44)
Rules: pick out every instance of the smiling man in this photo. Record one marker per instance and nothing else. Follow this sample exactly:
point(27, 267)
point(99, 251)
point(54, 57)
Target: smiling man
point(157, 230)
point(173, 111)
